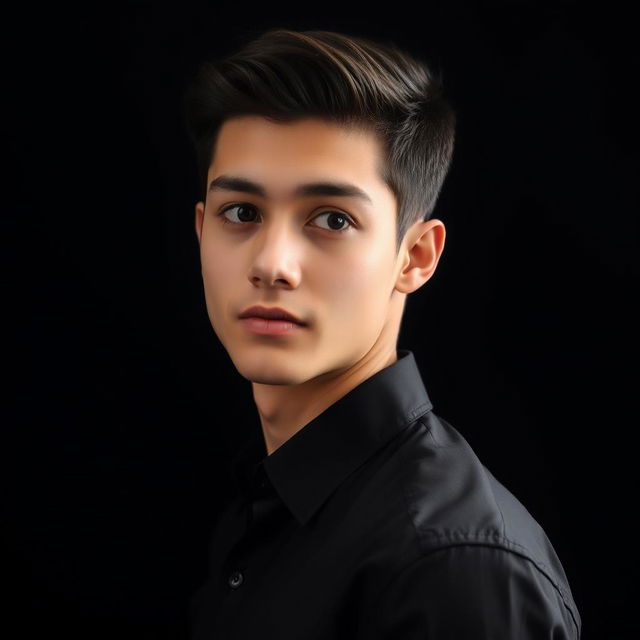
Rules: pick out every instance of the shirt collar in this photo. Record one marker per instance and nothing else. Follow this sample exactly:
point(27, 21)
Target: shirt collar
point(311, 464)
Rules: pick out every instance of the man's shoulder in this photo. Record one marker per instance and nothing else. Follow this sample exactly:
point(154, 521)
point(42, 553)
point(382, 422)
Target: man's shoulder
point(426, 506)
point(453, 499)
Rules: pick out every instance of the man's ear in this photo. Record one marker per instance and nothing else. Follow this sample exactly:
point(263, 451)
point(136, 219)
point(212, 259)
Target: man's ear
point(199, 219)
point(420, 252)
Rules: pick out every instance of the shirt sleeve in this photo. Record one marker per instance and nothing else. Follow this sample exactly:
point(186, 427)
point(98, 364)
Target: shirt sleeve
point(471, 592)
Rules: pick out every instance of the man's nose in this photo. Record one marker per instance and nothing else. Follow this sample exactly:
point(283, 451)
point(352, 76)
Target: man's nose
point(277, 256)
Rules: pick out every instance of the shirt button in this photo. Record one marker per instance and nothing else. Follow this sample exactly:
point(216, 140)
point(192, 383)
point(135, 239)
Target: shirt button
point(235, 579)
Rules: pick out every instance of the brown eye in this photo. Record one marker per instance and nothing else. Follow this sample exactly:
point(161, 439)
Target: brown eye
point(336, 220)
point(245, 213)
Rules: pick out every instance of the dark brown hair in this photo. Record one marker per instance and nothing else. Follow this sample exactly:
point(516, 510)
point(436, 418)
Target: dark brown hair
point(285, 75)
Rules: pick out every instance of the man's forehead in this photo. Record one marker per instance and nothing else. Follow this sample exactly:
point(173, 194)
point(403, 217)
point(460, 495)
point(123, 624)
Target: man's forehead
point(241, 123)
point(304, 164)
point(309, 140)
point(320, 158)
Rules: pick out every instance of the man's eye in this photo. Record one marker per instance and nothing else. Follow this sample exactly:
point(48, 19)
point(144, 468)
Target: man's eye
point(246, 213)
point(338, 218)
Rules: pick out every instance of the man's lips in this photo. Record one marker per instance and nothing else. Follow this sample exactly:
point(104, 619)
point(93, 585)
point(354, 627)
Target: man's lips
point(270, 326)
point(271, 313)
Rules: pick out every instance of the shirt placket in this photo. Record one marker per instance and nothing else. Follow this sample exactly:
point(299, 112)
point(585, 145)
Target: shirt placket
point(261, 507)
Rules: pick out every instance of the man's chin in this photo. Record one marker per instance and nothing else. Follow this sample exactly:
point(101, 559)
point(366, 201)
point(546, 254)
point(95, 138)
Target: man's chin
point(273, 379)
point(267, 370)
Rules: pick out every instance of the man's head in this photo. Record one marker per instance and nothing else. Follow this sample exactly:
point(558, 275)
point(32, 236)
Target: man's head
point(366, 126)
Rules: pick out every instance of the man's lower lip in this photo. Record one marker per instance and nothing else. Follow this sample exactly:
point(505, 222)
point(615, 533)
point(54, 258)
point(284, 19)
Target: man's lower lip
point(266, 327)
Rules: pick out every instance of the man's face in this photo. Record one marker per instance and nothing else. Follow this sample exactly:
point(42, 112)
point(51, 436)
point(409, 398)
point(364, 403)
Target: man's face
point(328, 259)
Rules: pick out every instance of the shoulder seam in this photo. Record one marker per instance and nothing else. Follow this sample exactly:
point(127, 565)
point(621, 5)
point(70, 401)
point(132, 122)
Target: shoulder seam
point(538, 565)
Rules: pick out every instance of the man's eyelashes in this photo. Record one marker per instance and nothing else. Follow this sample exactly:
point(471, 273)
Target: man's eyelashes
point(338, 216)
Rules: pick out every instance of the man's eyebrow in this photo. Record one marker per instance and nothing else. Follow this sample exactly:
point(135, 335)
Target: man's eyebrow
point(323, 188)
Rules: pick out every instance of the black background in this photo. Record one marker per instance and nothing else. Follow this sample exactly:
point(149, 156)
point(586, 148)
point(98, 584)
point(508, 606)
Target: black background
point(116, 447)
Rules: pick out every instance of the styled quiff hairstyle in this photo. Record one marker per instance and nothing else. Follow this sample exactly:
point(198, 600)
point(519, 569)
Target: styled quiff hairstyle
point(286, 75)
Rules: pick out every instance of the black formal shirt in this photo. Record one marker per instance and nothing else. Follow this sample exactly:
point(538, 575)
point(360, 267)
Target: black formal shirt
point(375, 521)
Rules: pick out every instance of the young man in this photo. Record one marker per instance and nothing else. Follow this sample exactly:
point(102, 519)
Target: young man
point(360, 514)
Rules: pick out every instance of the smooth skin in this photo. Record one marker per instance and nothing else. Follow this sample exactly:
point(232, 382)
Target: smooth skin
point(294, 252)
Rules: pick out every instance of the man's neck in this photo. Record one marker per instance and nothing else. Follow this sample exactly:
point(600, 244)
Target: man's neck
point(285, 409)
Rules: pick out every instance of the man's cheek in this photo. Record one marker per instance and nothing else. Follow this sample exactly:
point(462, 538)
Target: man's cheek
point(352, 294)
